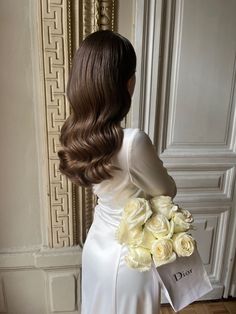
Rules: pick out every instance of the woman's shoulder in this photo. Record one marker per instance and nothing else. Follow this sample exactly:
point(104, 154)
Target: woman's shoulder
point(136, 134)
point(130, 130)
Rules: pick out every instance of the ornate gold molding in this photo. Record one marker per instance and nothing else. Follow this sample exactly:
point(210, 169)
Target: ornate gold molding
point(90, 17)
point(97, 15)
point(107, 15)
point(70, 208)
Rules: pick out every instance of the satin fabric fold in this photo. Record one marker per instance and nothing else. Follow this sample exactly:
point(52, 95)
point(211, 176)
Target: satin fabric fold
point(110, 286)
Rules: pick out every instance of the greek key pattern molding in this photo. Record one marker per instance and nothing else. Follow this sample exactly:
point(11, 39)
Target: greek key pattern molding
point(70, 208)
point(56, 58)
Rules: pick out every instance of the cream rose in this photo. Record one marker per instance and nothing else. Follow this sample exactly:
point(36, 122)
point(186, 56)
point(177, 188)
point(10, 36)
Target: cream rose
point(136, 212)
point(163, 205)
point(147, 239)
point(162, 252)
point(160, 226)
point(186, 214)
point(125, 235)
point(182, 221)
point(135, 236)
point(139, 258)
point(154, 231)
point(183, 244)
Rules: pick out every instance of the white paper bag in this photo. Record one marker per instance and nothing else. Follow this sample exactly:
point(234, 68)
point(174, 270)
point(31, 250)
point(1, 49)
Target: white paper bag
point(184, 280)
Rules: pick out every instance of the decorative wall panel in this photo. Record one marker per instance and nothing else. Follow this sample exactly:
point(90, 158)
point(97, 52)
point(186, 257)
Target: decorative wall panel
point(62, 285)
point(98, 14)
point(198, 184)
point(64, 24)
point(186, 103)
point(210, 225)
point(107, 14)
point(90, 16)
point(55, 37)
point(200, 108)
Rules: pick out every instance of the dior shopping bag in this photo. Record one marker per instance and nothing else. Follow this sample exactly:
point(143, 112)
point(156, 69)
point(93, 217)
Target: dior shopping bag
point(184, 281)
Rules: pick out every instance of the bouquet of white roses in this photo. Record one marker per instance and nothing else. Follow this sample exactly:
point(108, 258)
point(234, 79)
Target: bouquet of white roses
point(155, 230)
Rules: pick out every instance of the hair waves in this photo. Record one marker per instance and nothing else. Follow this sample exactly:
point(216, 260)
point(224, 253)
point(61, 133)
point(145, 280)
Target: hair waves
point(98, 95)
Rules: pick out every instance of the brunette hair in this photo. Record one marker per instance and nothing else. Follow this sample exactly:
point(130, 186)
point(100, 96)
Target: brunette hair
point(98, 94)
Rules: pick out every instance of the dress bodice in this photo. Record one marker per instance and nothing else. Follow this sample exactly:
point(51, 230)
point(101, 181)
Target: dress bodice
point(142, 174)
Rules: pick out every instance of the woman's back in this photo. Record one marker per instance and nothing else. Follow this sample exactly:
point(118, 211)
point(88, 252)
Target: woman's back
point(108, 285)
point(99, 90)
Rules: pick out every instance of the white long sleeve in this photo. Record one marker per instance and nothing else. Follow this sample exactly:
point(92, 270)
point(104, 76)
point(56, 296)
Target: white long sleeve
point(146, 168)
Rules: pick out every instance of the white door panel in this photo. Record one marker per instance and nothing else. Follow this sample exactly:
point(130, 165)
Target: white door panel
point(187, 99)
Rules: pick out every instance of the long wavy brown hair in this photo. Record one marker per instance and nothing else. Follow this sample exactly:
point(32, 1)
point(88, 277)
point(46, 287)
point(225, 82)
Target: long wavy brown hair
point(98, 94)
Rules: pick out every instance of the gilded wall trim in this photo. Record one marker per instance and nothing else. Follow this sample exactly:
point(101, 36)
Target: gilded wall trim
point(107, 15)
point(64, 24)
point(97, 15)
point(90, 17)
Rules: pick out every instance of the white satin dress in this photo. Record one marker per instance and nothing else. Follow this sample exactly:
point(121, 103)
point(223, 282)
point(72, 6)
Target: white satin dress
point(109, 286)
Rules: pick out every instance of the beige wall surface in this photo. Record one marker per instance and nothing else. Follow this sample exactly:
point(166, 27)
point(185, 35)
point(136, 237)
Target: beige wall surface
point(19, 184)
point(126, 18)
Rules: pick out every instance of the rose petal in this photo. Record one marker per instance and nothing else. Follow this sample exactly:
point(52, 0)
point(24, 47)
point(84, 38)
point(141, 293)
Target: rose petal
point(139, 258)
point(167, 261)
point(136, 212)
point(147, 239)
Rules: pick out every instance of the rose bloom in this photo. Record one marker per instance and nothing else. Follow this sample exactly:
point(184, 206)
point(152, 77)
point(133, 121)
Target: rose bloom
point(139, 258)
point(135, 236)
point(180, 224)
point(187, 215)
point(163, 205)
point(125, 235)
point(183, 244)
point(160, 226)
point(147, 239)
point(182, 220)
point(136, 212)
point(162, 251)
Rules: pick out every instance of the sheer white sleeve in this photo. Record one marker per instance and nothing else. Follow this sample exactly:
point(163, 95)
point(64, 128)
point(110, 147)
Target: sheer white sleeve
point(146, 168)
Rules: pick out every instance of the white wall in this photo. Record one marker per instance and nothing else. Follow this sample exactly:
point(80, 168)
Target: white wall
point(20, 209)
point(19, 185)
